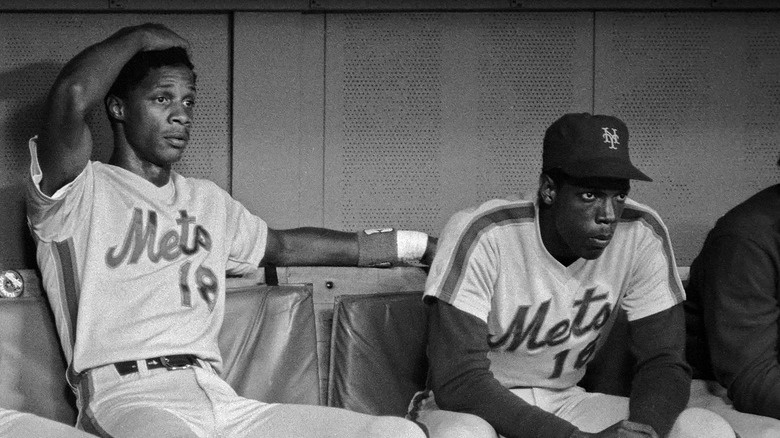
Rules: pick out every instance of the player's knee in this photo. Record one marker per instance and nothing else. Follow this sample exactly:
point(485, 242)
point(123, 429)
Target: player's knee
point(471, 426)
point(699, 422)
point(458, 425)
point(396, 427)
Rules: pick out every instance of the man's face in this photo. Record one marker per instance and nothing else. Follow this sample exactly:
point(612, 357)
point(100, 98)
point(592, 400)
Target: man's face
point(585, 213)
point(158, 114)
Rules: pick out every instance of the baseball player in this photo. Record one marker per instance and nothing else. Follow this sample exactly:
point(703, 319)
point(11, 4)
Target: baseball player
point(522, 292)
point(134, 255)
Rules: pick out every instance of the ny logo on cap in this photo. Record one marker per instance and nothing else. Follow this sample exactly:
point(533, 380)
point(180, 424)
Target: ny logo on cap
point(611, 137)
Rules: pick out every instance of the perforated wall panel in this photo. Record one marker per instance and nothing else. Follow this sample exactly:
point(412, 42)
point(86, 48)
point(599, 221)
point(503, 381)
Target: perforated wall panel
point(386, 133)
point(532, 69)
point(278, 101)
point(701, 96)
point(427, 114)
point(34, 47)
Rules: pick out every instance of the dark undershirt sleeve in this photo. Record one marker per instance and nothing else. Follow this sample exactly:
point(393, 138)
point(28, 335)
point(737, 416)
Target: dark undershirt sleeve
point(662, 380)
point(461, 380)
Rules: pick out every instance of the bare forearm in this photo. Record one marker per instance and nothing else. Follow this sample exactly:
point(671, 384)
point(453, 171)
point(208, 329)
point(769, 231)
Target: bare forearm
point(85, 79)
point(65, 143)
point(309, 246)
point(89, 75)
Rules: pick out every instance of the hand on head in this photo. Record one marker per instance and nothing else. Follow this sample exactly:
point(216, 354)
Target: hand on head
point(157, 36)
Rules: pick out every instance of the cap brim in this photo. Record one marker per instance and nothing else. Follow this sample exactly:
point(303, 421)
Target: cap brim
point(602, 168)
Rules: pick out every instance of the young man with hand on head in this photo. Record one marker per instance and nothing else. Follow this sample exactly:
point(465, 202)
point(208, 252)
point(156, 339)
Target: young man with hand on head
point(134, 255)
point(521, 293)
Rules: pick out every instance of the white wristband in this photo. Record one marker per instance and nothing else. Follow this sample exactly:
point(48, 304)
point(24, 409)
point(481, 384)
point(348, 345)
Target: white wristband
point(411, 245)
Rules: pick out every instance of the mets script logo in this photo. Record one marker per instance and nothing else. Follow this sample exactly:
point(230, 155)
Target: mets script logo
point(142, 239)
point(611, 137)
point(527, 329)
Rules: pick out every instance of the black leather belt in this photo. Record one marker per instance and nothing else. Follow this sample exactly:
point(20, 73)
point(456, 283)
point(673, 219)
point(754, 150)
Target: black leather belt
point(172, 362)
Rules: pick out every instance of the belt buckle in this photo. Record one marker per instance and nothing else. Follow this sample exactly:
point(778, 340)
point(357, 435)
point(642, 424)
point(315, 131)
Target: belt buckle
point(178, 363)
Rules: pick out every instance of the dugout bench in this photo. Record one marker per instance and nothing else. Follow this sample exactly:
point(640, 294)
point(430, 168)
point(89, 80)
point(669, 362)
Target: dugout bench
point(344, 337)
point(267, 341)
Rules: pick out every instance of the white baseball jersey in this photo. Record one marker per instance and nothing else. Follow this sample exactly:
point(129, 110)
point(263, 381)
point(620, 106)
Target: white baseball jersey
point(545, 319)
point(133, 270)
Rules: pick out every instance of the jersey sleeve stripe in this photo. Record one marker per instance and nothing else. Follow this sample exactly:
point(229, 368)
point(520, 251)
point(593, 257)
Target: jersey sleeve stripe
point(505, 215)
point(631, 213)
point(64, 255)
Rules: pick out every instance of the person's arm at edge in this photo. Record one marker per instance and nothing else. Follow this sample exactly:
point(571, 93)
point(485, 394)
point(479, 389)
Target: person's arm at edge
point(741, 319)
point(65, 143)
point(311, 246)
point(661, 384)
point(461, 380)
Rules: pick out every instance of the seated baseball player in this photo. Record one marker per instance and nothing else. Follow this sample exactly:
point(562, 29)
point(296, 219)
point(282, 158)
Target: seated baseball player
point(733, 316)
point(134, 255)
point(23, 424)
point(521, 293)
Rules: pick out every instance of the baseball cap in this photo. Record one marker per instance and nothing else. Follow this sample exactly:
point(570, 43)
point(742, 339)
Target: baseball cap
point(585, 145)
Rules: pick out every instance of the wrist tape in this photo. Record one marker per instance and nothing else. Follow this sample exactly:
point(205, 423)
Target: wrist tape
point(384, 247)
point(411, 246)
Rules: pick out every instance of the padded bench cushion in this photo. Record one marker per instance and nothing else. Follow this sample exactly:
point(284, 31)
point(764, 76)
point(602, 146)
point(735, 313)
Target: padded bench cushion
point(268, 343)
point(377, 356)
point(31, 361)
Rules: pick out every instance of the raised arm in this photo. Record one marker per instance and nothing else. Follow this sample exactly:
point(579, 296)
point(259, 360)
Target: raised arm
point(65, 143)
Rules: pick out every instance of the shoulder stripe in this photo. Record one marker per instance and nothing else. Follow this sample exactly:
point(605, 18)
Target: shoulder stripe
point(65, 260)
point(632, 213)
point(490, 219)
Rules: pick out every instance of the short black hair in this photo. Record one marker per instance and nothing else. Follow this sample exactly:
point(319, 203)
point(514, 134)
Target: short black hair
point(141, 63)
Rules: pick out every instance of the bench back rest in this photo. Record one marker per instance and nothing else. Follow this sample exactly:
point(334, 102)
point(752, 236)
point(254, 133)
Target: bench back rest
point(267, 341)
point(377, 359)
